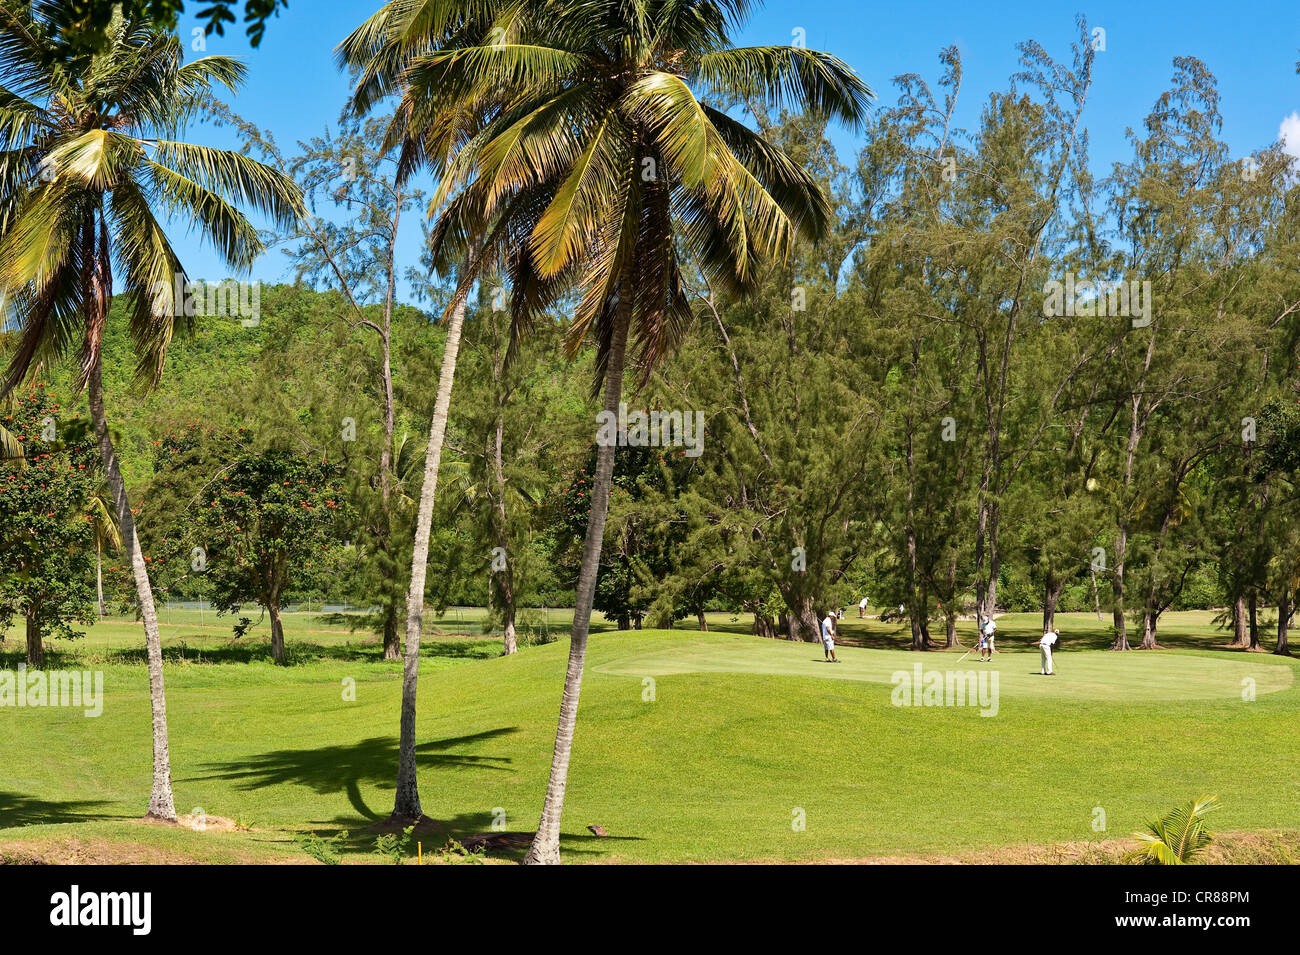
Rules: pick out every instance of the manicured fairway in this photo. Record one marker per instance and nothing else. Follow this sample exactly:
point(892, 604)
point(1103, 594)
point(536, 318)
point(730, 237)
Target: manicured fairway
point(690, 746)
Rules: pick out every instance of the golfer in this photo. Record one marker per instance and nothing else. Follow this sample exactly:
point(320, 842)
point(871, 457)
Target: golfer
point(828, 637)
point(862, 607)
point(986, 640)
point(1045, 647)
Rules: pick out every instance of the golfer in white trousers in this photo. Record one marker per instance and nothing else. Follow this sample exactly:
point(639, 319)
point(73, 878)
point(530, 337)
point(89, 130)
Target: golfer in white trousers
point(1045, 646)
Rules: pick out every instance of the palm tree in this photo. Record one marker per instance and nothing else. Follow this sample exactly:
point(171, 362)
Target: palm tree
point(84, 161)
point(598, 167)
point(427, 129)
point(1177, 837)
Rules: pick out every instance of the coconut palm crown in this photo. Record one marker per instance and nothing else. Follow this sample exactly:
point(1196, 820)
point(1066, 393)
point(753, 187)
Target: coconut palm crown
point(87, 166)
point(88, 160)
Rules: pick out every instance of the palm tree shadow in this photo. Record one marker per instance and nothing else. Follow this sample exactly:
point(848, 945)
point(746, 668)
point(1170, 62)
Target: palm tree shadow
point(346, 767)
point(17, 810)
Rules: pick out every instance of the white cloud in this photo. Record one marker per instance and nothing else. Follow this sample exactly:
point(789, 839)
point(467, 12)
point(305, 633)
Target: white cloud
point(1289, 134)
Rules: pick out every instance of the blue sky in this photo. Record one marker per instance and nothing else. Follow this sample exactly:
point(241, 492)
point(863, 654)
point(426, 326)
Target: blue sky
point(295, 90)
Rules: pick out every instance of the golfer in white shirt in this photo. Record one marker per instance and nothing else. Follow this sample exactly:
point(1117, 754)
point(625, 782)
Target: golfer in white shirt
point(862, 607)
point(986, 640)
point(1045, 646)
point(828, 637)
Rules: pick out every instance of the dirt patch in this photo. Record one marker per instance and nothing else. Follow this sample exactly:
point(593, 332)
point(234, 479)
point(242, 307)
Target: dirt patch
point(1228, 848)
point(197, 822)
point(78, 851)
point(206, 823)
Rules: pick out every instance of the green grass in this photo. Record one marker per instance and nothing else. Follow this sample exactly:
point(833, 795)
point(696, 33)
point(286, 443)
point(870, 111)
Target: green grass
point(742, 732)
point(207, 636)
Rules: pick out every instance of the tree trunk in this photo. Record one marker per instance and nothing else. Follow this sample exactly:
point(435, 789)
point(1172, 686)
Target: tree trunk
point(704, 624)
point(545, 848)
point(915, 603)
point(510, 638)
point(802, 624)
point(1253, 604)
point(161, 803)
point(981, 529)
point(764, 626)
point(406, 804)
point(1150, 618)
point(920, 627)
point(1117, 588)
point(505, 579)
point(506, 592)
point(1096, 600)
point(99, 575)
point(950, 612)
point(35, 644)
point(1240, 624)
point(995, 557)
point(1283, 621)
point(392, 642)
point(391, 639)
point(277, 631)
point(1051, 597)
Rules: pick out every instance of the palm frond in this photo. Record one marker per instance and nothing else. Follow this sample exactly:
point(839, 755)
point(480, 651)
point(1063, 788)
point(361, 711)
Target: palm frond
point(788, 76)
point(1177, 837)
point(240, 178)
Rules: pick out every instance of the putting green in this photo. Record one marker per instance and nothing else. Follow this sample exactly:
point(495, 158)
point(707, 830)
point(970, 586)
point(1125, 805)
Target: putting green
point(1098, 675)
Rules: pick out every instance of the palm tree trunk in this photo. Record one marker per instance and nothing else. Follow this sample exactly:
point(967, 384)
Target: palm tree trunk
point(386, 455)
point(505, 578)
point(161, 803)
point(406, 805)
point(545, 849)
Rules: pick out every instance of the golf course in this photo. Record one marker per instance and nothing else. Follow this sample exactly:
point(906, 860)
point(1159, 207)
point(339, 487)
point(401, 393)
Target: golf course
point(648, 432)
point(690, 747)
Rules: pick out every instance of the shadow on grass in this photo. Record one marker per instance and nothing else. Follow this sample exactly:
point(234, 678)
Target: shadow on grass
point(470, 831)
point(346, 767)
point(17, 810)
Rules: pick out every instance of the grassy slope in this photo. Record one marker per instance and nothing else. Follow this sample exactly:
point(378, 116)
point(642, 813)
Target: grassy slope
point(712, 769)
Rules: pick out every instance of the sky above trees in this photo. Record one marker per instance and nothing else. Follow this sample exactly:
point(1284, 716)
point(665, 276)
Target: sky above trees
point(295, 90)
